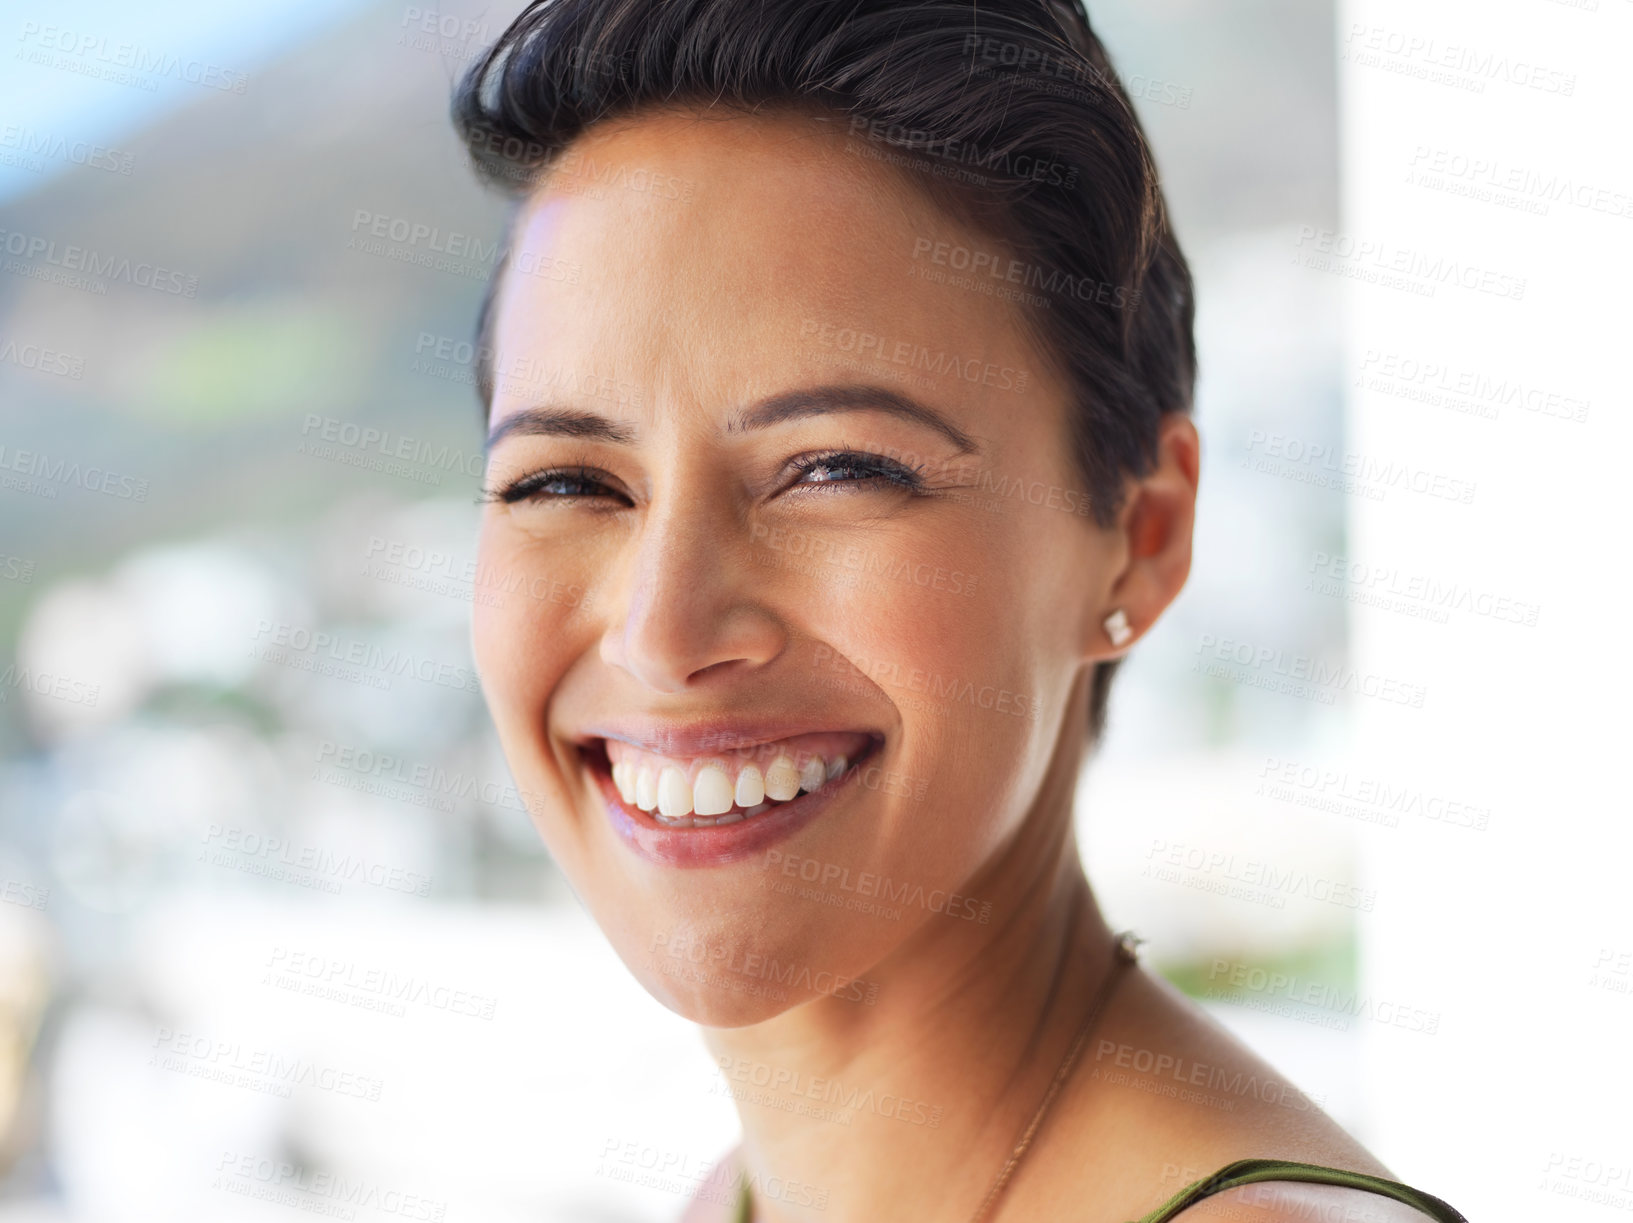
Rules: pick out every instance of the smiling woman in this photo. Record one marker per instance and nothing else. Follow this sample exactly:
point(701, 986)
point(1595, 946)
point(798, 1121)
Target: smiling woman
point(841, 355)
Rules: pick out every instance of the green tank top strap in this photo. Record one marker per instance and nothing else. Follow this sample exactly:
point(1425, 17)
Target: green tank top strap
point(1251, 1171)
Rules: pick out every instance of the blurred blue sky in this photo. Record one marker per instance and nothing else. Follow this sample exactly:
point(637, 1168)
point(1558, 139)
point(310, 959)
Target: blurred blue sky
point(73, 106)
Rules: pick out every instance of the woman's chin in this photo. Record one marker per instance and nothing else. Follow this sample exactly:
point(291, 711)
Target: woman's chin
point(716, 1007)
point(723, 982)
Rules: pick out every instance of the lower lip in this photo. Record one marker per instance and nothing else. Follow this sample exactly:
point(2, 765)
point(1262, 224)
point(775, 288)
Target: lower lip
point(723, 843)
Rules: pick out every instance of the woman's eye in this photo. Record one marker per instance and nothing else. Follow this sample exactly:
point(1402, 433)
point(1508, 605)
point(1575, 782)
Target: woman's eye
point(561, 484)
point(852, 467)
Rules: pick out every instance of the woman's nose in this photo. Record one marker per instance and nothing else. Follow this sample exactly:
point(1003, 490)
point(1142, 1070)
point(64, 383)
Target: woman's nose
point(689, 602)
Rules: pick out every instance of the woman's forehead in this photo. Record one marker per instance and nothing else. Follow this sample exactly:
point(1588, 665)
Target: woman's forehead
point(676, 251)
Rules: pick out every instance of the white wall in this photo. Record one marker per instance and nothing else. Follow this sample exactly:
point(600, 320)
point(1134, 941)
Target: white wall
point(1518, 1106)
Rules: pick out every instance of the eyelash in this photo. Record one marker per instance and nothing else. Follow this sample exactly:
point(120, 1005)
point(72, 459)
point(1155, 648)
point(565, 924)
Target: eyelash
point(880, 467)
point(530, 487)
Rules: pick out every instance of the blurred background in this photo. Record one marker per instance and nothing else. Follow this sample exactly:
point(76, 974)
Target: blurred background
point(261, 905)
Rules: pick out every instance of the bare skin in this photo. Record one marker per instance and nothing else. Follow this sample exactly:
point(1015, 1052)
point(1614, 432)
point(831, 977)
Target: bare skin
point(664, 310)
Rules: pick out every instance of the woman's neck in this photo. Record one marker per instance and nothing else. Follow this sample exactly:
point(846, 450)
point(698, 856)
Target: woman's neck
point(878, 1110)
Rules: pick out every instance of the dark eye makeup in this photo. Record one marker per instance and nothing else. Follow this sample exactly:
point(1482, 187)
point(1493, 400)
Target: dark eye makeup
point(846, 467)
point(555, 484)
point(861, 468)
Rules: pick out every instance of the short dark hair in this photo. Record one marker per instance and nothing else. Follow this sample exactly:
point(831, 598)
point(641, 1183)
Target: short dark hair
point(1010, 108)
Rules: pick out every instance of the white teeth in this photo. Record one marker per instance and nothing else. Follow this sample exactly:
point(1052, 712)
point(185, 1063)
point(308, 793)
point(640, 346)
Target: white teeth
point(646, 789)
point(750, 787)
point(717, 790)
point(624, 778)
point(674, 795)
point(812, 774)
point(711, 792)
point(782, 779)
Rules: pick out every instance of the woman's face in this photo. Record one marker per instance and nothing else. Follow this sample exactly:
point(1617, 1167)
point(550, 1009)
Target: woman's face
point(776, 481)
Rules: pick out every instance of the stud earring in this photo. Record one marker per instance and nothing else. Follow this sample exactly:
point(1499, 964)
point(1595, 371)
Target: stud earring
point(1117, 629)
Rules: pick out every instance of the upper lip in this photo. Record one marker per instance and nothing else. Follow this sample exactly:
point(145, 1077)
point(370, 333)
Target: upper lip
point(703, 736)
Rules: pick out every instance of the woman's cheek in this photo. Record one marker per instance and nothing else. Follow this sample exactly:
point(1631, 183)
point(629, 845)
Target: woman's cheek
point(937, 639)
point(526, 596)
point(529, 619)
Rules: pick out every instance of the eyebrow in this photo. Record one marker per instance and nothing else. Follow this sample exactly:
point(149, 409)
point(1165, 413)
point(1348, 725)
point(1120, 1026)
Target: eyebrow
point(548, 421)
point(559, 422)
point(823, 400)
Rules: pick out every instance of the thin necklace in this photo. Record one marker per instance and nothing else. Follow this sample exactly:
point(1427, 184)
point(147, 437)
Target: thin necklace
point(1123, 954)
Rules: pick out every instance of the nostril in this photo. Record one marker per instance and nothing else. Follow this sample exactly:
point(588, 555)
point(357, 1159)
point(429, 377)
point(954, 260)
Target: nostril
point(717, 666)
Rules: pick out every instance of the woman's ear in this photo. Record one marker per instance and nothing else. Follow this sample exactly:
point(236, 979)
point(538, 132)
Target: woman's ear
point(1153, 541)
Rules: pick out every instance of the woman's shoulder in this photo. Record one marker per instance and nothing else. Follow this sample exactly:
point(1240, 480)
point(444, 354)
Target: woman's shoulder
point(1168, 1100)
point(1282, 1191)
